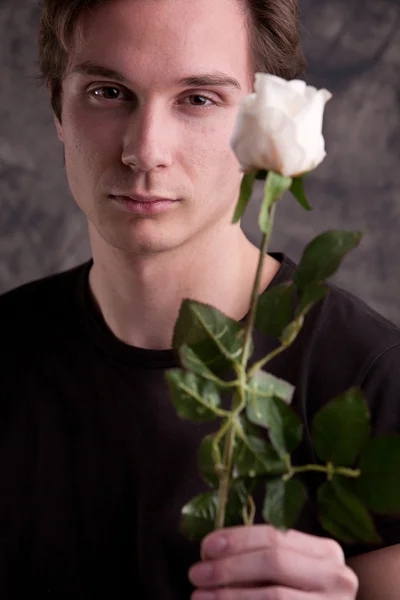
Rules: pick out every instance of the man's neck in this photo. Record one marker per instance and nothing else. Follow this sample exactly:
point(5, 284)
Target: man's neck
point(139, 297)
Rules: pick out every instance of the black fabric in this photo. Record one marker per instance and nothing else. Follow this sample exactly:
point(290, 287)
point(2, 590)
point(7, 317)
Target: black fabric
point(94, 463)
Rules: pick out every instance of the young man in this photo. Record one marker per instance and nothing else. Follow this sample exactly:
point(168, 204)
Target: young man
point(94, 463)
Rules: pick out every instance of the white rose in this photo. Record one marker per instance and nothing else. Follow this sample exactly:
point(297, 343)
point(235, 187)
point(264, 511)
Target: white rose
point(279, 127)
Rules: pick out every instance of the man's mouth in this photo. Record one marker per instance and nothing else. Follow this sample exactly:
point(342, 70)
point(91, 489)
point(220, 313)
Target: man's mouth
point(143, 198)
point(141, 204)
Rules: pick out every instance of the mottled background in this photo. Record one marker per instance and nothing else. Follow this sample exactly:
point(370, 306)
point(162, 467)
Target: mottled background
point(353, 49)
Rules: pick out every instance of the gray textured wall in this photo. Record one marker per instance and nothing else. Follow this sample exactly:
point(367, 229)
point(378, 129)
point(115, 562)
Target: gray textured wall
point(353, 49)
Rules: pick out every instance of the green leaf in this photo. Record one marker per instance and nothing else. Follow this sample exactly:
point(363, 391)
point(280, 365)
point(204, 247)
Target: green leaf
point(343, 515)
point(266, 385)
point(275, 186)
point(254, 456)
point(274, 309)
point(379, 483)
point(190, 360)
point(246, 189)
point(283, 502)
point(323, 255)
point(193, 398)
point(297, 189)
point(198, 321)
point(208, 456)
point(285, 428)
point(258, 410)
point(311, 294)
point(341, 428)
point(215, 338)
point(198, 515)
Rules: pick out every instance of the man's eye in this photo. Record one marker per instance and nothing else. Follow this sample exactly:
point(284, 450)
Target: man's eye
point(107, 92)
point(201, 101)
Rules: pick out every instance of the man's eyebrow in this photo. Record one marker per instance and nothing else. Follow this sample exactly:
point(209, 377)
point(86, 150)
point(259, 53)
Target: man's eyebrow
point(90, 68)
point(205, 79)
point(210, 79)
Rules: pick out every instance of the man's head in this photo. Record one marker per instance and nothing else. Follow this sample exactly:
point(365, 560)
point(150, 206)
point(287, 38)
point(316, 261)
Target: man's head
point(149, 137)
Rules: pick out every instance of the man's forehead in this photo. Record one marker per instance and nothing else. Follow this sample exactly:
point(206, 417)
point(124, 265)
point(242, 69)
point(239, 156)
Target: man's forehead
point(128, 40)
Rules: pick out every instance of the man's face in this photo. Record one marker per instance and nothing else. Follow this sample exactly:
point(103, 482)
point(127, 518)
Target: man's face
point(165, 129)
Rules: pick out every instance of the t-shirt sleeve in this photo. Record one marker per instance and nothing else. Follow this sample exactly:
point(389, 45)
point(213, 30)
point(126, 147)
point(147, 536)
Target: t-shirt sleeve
point(381, 387)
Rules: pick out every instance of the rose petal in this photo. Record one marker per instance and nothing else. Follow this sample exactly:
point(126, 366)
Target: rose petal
point(298, 85)
point(309, 128)
point(292, 156)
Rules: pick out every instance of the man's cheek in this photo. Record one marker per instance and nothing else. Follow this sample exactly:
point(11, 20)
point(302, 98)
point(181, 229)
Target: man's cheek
point(89, 152)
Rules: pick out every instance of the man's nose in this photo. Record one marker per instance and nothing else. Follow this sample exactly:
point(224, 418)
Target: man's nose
point(148, 139)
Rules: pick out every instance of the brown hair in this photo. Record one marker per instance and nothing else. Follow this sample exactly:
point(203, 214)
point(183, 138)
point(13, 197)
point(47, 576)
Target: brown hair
point(272, 25)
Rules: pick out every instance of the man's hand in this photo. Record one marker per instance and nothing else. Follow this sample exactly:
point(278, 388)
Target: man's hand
point(262, 563)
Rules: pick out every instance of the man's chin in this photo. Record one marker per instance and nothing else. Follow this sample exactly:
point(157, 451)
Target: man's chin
point(141, 243)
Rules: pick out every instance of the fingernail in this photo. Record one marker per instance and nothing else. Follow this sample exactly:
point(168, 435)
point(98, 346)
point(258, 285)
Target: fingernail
point(201, 573)
point(215, 546)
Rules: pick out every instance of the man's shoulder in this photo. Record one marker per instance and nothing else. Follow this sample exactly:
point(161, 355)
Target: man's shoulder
point(42, 300)
point(349, 338)
point(344, 313)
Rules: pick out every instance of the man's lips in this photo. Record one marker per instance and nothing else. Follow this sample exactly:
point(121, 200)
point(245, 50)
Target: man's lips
point(145, 199)
point(144, 205)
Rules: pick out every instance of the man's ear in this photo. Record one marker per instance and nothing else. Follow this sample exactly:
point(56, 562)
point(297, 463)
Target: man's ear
point(59, 128)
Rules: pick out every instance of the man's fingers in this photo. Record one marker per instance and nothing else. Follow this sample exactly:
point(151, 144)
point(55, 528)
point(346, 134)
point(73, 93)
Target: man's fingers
point(241, 539)
point(277, 566)
point(270, 593)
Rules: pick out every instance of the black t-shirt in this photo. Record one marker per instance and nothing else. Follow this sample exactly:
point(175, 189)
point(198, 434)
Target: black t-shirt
point(94, 463)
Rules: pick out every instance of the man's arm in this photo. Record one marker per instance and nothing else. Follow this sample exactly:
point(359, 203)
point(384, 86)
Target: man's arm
point(378, 574)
